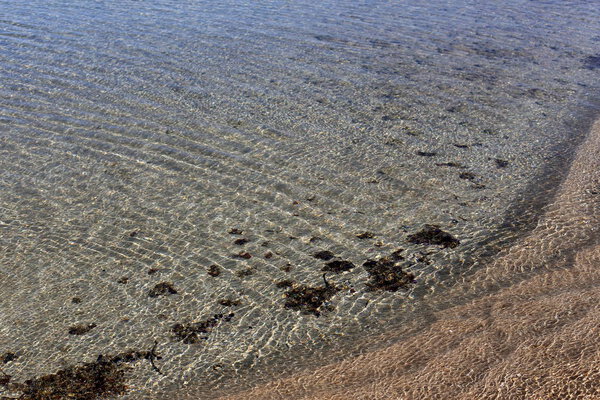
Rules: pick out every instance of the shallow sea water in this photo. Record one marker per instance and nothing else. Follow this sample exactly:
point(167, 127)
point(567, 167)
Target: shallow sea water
point(135, 136)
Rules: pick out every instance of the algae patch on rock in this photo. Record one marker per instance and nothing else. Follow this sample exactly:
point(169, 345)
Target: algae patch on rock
point(307, 299)
point(104, 378)
point(190, 333)
point(387, 274)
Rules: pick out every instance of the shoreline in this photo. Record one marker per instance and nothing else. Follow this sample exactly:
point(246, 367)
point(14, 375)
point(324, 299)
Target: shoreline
point(491, 346)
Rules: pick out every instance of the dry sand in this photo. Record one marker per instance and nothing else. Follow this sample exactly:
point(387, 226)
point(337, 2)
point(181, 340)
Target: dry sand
point(537, 337)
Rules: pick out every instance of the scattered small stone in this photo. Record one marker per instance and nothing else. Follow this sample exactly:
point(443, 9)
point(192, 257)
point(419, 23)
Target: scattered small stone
point(432, 234)
point(229, 302)
point(265, 244)
point(190, 333)
point(324, 255)
point(501, 163)
point(241, 242)
point(287, 267)
point(133, 234)
point(214, 270)
point(268, 255)
point(242, 254)
point(426, 153)
point(8, 357)
point(163, 288)
point(450, 164)
point(365, 235)
point(123, 280)
point(76, 300)
point(81, 329)
point(152, 271)
point(338, 266)
point(245, 272)
point(467, 175)
point(235, 231)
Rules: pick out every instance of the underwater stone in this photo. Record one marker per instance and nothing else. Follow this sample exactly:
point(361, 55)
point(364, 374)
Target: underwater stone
point(338, 266)
point(432, 234)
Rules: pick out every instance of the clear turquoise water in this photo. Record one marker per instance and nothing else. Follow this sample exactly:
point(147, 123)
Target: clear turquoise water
point(298, 123)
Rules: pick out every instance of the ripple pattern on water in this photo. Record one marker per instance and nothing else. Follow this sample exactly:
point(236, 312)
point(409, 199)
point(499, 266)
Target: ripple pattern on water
point(136, 137)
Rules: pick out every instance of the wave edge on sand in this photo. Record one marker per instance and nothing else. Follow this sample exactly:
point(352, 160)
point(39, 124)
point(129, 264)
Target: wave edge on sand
point(536, 338)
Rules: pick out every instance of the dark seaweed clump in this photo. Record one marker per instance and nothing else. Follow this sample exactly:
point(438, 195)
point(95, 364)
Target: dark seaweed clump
point(307, 299)
point(241, 242)
point(162, 289)
point(190, 333)
point(432, 234)
point(387, 274)
point(89, 381)
point(104, 378)
point(338, 266)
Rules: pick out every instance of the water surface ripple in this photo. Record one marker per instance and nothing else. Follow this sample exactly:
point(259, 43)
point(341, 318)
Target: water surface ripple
point(137, 139)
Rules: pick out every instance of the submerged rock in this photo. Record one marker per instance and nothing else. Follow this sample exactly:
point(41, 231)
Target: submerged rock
point(325, 255)
point(81, 329)
point(214, 270)
point(432, 234)
point(366, 235)
point(8, 357)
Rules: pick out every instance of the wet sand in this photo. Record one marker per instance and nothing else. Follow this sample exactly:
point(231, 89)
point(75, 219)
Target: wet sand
point(534, 335)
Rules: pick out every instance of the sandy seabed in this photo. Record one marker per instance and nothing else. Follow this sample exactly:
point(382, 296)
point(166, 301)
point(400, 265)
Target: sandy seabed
point(536, 335)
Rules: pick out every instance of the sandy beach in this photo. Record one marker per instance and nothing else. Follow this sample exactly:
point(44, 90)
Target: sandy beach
point(535, 338)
